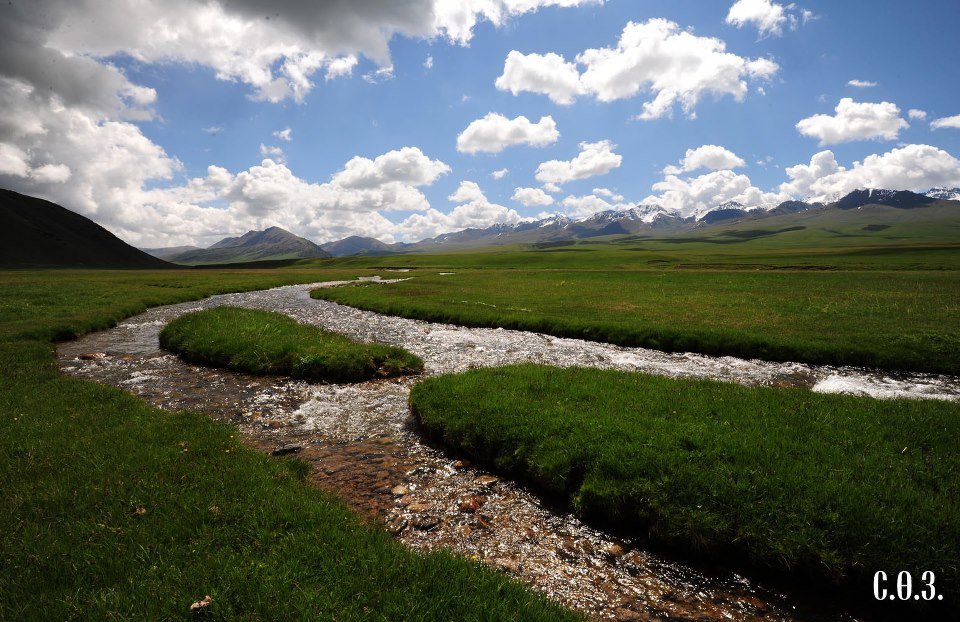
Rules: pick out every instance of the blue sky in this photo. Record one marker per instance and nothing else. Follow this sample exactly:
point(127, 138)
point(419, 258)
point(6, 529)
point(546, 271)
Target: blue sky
point(189, 103)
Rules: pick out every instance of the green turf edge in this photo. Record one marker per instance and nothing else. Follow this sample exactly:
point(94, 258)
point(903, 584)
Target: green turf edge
point(830, 487)
point(266, 342)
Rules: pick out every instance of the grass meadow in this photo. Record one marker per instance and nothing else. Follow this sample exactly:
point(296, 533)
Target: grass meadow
point(117, 510)
point(895, 320)
point(827, 486)
point(816, 287)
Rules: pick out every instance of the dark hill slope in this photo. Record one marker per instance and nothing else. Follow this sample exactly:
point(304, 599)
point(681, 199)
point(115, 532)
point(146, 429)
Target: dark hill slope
point(39, 234)
point(167, 252)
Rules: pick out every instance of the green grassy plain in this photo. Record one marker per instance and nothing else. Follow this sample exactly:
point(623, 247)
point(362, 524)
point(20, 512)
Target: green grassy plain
point(830, 486)
point(116, 510)
point(265, 342)
point(817, 287)
point(898, 320)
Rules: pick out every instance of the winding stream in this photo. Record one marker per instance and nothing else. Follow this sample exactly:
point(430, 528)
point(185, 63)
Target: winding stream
point(359, 440)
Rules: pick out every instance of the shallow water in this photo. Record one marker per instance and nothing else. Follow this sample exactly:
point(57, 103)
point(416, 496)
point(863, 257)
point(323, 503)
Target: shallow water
point(359, 439)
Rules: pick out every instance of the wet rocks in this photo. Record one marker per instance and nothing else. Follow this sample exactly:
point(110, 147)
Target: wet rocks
point(471, 504)
point(285, 450)
point(93, 356)
point(399, 490)
point(396, 525)
point(426, 522)
point(487, 481)
point(614, 550)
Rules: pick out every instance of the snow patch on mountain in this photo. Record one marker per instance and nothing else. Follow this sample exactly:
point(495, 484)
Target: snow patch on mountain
point(944, 194)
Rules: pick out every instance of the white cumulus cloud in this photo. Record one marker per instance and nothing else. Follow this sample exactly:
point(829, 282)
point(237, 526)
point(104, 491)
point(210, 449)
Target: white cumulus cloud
point(457, 18)
point(911, 167)
point(855, 121)
point(768, 17)
point(500, 173)
point(862, 84)
point(547, 74)
point(696, 195)
point(917, 115)
point(713, 157)
point(494, 133)
point(594, 159)
point(531, 197)
point(273, 46)
point(610, 194)
point(675, 66)
point(953, 122)
point(408, 166)
point(474, 212)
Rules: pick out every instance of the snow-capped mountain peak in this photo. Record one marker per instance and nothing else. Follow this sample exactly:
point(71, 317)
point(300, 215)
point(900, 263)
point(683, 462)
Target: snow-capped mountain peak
point(944, 194)
point(729, 205)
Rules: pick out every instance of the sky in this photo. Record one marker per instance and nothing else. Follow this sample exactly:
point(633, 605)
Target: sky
point(174, 122)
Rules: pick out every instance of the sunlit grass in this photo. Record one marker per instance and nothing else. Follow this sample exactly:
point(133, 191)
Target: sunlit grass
point(832, 486)
point(897, 320)
point(114, 510)
point(265, 342)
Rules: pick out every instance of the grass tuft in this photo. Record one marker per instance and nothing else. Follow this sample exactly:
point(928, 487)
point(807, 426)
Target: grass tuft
point(265, 342)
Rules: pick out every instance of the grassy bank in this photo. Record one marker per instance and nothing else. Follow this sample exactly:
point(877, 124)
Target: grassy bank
point(898, 320)
point(264, 342)
point(116, 510)
point(827, 485)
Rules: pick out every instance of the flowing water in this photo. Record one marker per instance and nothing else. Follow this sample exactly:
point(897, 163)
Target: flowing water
point(362, 446)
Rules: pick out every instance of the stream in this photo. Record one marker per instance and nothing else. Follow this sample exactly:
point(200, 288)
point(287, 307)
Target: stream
point(362, 446)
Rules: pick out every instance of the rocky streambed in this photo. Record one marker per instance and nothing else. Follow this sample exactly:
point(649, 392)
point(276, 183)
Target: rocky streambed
point(361, 444)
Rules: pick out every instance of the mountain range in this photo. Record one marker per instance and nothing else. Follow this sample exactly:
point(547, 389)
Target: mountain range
point(271, 244)
point(38, 233)
point(654, 220)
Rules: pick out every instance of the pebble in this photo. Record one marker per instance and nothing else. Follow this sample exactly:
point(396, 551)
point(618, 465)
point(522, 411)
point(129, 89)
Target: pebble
point(487, 481)
point(397, 525)
point(419, 506)
point(425, 523)
point(471, 504)
point(284, 450)
point(615, 550)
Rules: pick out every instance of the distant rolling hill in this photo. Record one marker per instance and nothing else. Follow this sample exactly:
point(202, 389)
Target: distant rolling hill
point(170, 251)
point(357, 245)
point(39, 234)
point(268, 245)
point(871, 227)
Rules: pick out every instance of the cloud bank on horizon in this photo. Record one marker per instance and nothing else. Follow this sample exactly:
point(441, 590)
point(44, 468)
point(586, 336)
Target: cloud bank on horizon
point(174, 122)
